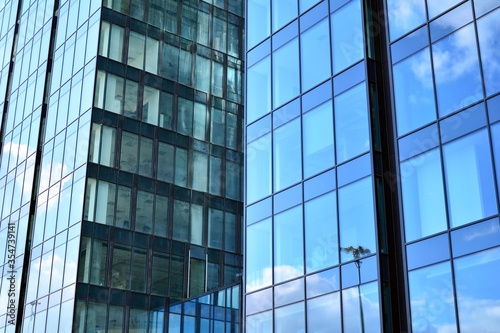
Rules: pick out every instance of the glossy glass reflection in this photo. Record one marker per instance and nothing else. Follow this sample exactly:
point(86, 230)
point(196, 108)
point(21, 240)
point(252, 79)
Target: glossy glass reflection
point(414, 92)
point(456, 69)
point(351, 123)
point(437, 7)
point(259, 255)
point(469, 178)
point(286, 155)
point(283, 12)
point(321, 232)
point(405, 15)
point(360, 307)
point(260, 323)
point(357, 217)
point(315, 55)
point(258, 90)
point(423, 195)
point(323, 314)
point(290, 319)
point(288, 248)
point(478, 295)
point(286, 84)
point(347, 36)
point(318, 150)
point(259, 21)
point(495, 133)
point(431, 299)
point(488, 28)
point(259, 168)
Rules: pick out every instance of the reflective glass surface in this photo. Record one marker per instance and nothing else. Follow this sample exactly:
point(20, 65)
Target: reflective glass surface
point(287, 155)
point(469, 178)
point(290, 319)
point(286, 84)
point(423, 195)
point(259, 21)
point(259, 90)
point(259, 168)
point(431, 299)
point(488, 28)
point(404, 16)
point(414, 92)
point(456, 69)
point(437, 7)
point(323, 314)
point(283, 12)
point(315, 55)
point(259, 256)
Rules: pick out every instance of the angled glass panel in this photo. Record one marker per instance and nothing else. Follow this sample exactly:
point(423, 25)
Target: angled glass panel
point(283, 12)
point(323, 314)
point(347, 36)
point(437, 7)
point(315, 55)
point(357, 219)
point(287, 155)
point(405, 16)
point(288, 245)
point(259, 168)
point(259, 21)
point(360, 307)
point(414, 92)
point(286, 84)
point(351, 123)
point(259, 89)
point(478, 295)
point(321, 234)
point(488, 28)
point(423, 195)
point(456, 69)
point(431, 299)
point(495, 133)
point(469, 178)
point(318, 149)
point(259, 255)
point(290, 319)
point(260, 323)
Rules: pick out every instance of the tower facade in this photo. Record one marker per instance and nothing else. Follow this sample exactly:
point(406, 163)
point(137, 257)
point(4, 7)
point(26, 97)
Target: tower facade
point(371, 166)
point(121, 165)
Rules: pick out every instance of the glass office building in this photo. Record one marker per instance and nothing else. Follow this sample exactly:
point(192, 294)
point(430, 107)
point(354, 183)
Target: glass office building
point(372, 159)
point(121, 165)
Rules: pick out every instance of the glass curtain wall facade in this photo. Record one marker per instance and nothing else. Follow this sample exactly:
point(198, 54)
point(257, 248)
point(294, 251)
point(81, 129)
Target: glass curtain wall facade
point(121, 165)
point(372, 166)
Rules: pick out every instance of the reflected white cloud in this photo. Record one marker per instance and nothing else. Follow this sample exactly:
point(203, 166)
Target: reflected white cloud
point(405, 15)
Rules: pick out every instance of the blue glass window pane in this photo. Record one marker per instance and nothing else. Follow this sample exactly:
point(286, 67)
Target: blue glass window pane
point(429, 251)
point(437, 7)
point(423, 195)
point(306, 4)
point(469, 179)
point(290, 319)
point(259, 21)
point(431, 289)
point(414, 92)
point(410, 44)
point(259, 90)
point(286, 157)
point(321, 232)
point(260, 323)
point(283, 12)
point(318, 140)
point(489, 38)
point(259, 301)
point(450, 21)
point(361, 308)
point(319, 185)
point(289, 292)
point(484, 6)
point(286, 73)
point(259, 168)
point(315, 55)
point(347, 36)
point(475, 237)
point(351, 123)
point(463, 122)
point(456, 69)
point(259, 258)
point(288, 245)
point(357, 217)
point(477, 291)
point(495, 133)
point(323, 282)
point(323, 314)
point(405, 16)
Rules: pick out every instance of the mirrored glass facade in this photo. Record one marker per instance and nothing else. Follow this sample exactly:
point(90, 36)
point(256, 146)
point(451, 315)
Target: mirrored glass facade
point(371, 198)
point(121, 165)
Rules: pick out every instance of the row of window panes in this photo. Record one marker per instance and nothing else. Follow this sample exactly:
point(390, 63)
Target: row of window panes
point(31, 22)
point(129, 270)
point(8, 14)
point(473, 280)
point(136, 154)
point(16, 226)
point(57, 318)
point(59, 207)
point(413, 77)
point(288, 76)
point(468, 182)
point(204, 71)
point(112, 204)
point(194, 17)
point(276, 245)
point(188, 118)
point(111, 318)
point(339, 129)
point(54, 268)
point(351, 310)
